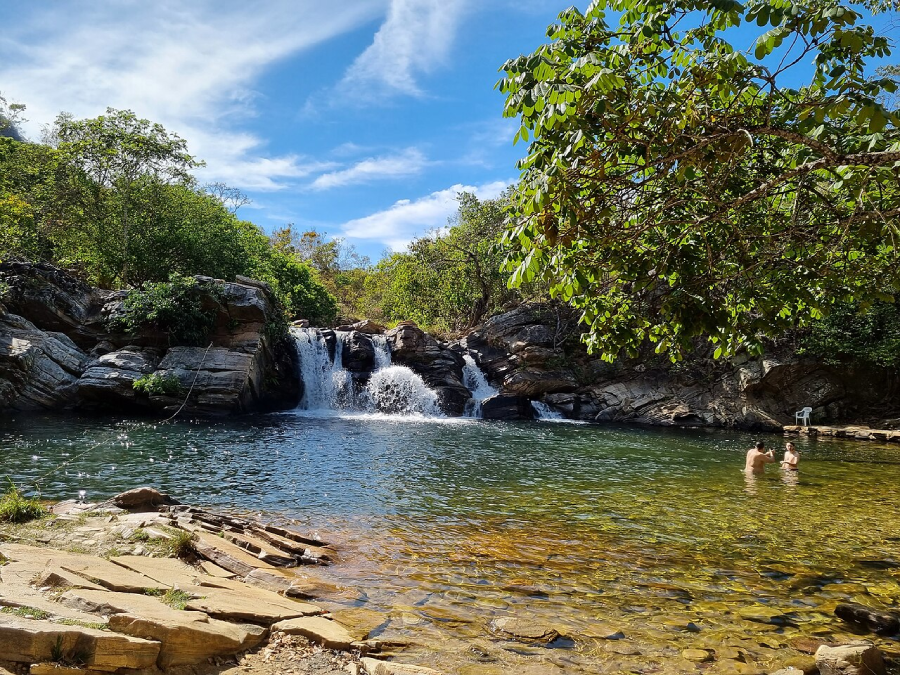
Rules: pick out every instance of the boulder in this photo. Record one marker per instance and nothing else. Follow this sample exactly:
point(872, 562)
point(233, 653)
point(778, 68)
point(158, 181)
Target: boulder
point(858, 658)
point(188, 638)
point(325, 632)
point(525, 629)
point(143, 499)
point(502, 407)
point(358, 354)
point(109, 380)
point(881, 623)
point(38, 370)
point(368, 327)
point(534, 383)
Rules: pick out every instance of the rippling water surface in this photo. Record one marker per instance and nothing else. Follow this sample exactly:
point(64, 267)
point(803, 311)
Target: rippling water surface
point(448, 525)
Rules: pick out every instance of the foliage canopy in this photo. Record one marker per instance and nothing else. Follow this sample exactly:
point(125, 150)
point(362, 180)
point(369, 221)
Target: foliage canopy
point(677, 187)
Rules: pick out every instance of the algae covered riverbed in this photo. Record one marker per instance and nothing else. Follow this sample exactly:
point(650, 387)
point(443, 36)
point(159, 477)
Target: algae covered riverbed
point(652, 537)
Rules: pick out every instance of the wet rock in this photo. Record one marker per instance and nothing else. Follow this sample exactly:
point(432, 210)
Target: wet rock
point(806, 645)
point(696, 655)
point(358, 353)
point(143, 499)
point(500, 407)
point(535, 383)
point(440, 367)
point(527, 630)
point(881, 623)
point(376, 667)
point(860, 658)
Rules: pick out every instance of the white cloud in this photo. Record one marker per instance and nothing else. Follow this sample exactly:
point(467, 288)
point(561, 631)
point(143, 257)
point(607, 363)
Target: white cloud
point(189, 66)
point(410, 162)
point(414, 39)
point(407, 219)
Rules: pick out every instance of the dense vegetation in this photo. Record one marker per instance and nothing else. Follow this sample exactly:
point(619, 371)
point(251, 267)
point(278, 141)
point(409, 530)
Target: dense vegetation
point(113, 198)
point(678, 187)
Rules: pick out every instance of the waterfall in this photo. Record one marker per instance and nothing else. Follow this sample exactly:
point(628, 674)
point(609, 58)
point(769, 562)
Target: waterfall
point(477, 384)
point(545, 412)
point(329, 388)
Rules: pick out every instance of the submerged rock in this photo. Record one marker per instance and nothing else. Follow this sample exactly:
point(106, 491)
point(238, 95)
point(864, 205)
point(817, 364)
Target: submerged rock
point(882, 623)
point(859, 658)
point(502, 407)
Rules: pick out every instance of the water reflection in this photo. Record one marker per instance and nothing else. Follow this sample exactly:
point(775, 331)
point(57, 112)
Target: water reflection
point(450, 526)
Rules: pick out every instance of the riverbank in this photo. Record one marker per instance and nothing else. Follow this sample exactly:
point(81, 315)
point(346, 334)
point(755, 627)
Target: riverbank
point(142, 583)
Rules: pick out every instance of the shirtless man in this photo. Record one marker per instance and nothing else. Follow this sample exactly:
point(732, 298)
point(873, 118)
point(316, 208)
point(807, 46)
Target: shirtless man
point(757, 459)
point(791, 457)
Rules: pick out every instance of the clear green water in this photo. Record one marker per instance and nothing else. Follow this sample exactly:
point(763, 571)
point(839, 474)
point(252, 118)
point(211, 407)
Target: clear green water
point(449, 525)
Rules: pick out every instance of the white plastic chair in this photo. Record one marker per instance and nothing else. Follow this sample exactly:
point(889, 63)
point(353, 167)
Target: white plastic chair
point(802, 416)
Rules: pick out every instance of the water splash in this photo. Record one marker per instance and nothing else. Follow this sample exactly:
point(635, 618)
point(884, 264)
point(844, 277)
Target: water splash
point(477, 384)
point(545, 412)
point(330, 389)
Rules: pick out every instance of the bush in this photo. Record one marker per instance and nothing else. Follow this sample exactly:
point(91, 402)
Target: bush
point(16, 508)
point(172, 306)
point(158, 385)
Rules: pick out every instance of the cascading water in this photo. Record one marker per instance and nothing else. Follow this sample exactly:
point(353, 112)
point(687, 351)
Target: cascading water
point(476, 383)
point(329, 388)
point(545, 412)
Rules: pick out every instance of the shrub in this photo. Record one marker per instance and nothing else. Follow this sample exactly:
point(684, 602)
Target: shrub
point(845, 334)
point(174, 307)
point(158, 385)
point(16, 508)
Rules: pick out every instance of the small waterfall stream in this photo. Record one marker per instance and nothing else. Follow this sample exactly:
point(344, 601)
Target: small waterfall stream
point(476, 383)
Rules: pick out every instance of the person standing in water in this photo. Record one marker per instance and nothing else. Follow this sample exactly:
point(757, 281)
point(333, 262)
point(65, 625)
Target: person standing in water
point(757, 459)
point(791, 457)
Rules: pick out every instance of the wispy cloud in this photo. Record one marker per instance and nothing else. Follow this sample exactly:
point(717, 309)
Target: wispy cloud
point(410, 162)
point(190, 66)
point(415, 38)
point(407, 219)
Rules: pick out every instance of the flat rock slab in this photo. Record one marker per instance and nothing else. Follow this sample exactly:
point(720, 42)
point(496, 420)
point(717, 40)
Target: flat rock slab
point(93, 569)
point(32, 641)
point(108, 603)
point(376, 667)
point(359, 621)
point(327, 633)
point(188, 638)
point(167, 571)
point(227, 555)
point(295, 584)
point(247, 604)
point(523, 629)
point(214, 570)
point(20, 595)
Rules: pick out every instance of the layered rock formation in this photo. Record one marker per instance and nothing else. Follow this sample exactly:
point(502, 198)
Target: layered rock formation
point(533, 352)
point(57, 351)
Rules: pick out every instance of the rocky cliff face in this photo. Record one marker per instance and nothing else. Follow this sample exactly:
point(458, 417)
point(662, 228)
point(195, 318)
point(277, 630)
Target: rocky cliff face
point(529, 352)
point(56, 351)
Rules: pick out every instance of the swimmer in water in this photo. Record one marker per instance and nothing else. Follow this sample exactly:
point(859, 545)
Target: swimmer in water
point(757, 459)
point(791, 457)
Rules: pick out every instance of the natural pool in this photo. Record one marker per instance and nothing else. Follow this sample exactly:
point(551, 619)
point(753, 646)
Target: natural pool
point(449, 524)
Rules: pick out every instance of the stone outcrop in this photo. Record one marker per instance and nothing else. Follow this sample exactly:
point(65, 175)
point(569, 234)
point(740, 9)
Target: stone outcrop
point(440, 367)
point(860, 658)
point(533, 351)
point(57, 349)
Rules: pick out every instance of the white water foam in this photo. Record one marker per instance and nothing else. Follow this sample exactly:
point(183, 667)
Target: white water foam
point(477, 384)
point(329, 389)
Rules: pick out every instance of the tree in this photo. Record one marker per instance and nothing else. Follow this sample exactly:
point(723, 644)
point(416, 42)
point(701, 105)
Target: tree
point(676, 187)
point(117, 164)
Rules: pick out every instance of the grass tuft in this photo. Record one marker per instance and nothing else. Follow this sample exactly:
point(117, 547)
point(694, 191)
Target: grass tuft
point(176, 599)
point(26, 612)
point(17, 508)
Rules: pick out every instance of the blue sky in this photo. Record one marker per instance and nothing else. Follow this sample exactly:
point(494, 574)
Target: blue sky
point(361, 119)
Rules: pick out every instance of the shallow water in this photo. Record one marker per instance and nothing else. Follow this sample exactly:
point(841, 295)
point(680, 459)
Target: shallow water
point(450, 524)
